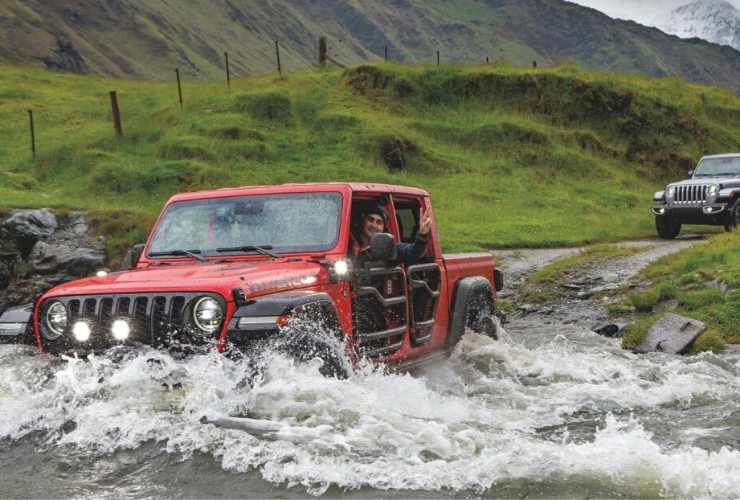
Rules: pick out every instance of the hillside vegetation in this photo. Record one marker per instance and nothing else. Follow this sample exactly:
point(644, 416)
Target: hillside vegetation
point(511, 157)
point(149, 38)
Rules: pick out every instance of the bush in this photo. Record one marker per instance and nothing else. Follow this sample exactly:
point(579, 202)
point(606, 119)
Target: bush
point(701, 298)
point(271, 106)
point(645, 301)
point(710, 340)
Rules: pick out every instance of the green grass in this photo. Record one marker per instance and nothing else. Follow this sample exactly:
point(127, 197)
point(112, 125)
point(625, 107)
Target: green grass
point(704, 281)
point(512, 157)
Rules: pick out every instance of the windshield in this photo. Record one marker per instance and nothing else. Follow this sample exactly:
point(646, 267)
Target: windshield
point(718, 166)
point(301, 222)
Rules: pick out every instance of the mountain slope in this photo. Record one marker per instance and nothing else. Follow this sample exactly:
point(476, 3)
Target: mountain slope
point(148, 38)
point(717, 21)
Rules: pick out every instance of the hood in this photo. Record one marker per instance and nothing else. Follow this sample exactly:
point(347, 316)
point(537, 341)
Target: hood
point(728, 181)
point(253, 277)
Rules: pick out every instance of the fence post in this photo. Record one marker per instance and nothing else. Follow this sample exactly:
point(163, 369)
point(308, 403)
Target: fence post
point(33, 133)
point(277, 53)
point(486, 59)
point(179, 87)
point(322, 51)
point(116, 113)
point(385, 54)
point(228, 71)
point(437, 58)
point(534, 64)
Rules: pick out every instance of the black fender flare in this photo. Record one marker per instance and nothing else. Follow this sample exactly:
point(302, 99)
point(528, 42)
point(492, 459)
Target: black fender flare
point(309, 303)
point(468, 291)
point(17, 315)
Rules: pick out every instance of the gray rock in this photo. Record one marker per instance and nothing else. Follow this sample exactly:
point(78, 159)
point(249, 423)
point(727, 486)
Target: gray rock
point(672, 334)
point(610, 330)
point(49, 258)
point(31, 224)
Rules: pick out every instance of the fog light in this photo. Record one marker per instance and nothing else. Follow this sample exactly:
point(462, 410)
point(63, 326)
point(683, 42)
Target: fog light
point(120, 329)
point(661, 211)
point(81, 331)
point(341, 267)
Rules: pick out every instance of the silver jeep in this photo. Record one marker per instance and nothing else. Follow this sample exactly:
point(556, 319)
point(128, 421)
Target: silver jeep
point(710, 196)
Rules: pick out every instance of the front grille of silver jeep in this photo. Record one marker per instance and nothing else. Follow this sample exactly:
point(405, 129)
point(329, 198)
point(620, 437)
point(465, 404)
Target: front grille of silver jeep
point(690, 194)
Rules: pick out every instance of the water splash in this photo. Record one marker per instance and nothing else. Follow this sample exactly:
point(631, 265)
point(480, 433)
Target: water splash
point(571, 415)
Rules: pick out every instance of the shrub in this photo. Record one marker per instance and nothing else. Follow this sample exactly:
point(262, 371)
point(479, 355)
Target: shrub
point(710, 340)
point(701, 298)
point(270, 106)
point(645, 301)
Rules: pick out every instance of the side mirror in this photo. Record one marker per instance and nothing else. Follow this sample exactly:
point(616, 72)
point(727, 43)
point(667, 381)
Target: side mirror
point(383, 247)
point(132, 256)
point(691, 173)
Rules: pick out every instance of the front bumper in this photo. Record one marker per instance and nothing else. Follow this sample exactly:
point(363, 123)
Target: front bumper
point(708, 214)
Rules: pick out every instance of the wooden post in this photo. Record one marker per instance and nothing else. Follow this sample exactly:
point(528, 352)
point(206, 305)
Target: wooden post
point(116, 113)
point(534, 64)
point(277, 53)
point(179, 86)
point(486, 59)
point(437, 58)
point(33, 133)
point(385, 54)
point(228, 71)
point(322, 51)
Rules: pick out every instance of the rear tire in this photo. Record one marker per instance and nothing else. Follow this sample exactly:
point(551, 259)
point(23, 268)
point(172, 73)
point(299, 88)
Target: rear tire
point(733, 218)
point(667, 228)
point(473, 309)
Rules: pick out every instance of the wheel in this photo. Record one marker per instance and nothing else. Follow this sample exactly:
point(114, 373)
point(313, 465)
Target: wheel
point(307, 337)
point(733, 218)
point(473, 310)
point(667, 228)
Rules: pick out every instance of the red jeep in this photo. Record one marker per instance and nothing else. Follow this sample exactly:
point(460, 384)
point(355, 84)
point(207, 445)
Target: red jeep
point(234, 267)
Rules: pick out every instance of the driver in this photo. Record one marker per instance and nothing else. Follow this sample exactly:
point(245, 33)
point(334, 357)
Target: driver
point(374, 221)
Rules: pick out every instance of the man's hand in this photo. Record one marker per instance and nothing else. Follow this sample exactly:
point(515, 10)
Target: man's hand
point(425, 223)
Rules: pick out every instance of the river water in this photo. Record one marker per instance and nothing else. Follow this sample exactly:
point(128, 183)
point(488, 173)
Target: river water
point(549, 410)
point(539, 415)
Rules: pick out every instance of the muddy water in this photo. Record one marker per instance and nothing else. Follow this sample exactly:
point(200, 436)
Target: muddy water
point(551, 409)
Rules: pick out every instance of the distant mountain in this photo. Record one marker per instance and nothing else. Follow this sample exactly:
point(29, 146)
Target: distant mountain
point(717, 21)
point(148, 38)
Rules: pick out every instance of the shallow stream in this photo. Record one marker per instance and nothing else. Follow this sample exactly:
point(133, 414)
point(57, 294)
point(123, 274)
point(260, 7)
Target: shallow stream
point(551, 409)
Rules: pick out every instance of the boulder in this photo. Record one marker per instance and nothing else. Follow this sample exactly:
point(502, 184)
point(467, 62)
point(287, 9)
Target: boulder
point(610, 330)
point(672, 334)
point(50, 258)
point(26, 227)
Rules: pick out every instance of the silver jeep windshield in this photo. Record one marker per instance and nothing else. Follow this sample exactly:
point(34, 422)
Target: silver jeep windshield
point(300, 222)
point(718, 166)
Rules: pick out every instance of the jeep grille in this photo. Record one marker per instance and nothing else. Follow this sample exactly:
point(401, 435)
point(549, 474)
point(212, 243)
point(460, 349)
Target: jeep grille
point(691, 194)
point(155, 319)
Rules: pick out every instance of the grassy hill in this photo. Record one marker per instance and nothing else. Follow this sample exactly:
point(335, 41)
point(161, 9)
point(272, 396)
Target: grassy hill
point(148, 38)
point(512, 157)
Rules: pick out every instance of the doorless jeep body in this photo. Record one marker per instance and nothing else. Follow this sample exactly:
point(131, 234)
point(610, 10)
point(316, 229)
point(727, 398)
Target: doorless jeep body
point(230, 267)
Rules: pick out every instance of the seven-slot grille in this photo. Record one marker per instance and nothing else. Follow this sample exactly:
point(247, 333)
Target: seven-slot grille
point(690, 194)
point(155, 319)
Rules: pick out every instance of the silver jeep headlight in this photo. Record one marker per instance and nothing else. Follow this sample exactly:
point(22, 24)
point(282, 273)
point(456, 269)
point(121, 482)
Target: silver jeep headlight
point(670, 192)
point(56, 321)
point(208, 314)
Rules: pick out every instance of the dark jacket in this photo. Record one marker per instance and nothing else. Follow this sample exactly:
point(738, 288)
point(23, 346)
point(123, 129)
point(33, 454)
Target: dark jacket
point(407, 253)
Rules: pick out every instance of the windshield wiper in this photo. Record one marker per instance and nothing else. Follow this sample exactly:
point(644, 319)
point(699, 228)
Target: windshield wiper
point(189, 253)
point(263, 249)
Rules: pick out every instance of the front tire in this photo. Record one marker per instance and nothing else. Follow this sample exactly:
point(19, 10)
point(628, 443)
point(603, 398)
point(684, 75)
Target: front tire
point(667, 228)
point(733, 221)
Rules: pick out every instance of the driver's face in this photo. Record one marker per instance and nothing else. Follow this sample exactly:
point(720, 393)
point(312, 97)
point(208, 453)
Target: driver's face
point(372, 224)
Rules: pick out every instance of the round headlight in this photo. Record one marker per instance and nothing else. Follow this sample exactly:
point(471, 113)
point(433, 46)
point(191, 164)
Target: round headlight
point(670, 192)
point(712, 190)
point(56, 321)
point(208, 314)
